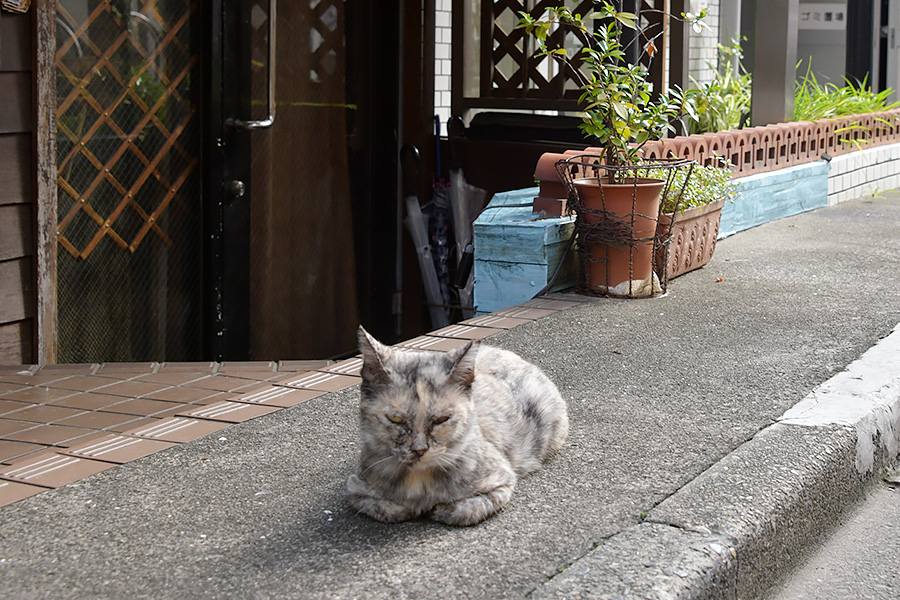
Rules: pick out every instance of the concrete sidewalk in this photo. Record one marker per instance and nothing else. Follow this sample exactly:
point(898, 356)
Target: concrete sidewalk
point(675, 481)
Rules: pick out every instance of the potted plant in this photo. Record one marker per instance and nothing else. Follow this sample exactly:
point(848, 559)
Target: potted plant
point(620, 112)
point(689, 218)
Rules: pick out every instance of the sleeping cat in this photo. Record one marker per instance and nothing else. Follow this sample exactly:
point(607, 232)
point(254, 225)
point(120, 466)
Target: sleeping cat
point(448, 435)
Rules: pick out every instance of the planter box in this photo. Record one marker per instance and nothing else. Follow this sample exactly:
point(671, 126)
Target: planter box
point(693, 238)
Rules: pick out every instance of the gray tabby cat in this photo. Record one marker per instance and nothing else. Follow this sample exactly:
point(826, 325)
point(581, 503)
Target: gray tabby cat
point(448, 435)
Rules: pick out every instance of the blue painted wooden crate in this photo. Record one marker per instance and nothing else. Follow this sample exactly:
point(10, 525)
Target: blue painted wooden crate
point(517, 252)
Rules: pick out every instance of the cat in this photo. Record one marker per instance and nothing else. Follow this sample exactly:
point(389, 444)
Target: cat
point(448, 435)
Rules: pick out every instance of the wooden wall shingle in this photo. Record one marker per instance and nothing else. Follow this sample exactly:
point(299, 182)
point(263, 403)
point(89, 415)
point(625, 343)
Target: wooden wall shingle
point(18, 303)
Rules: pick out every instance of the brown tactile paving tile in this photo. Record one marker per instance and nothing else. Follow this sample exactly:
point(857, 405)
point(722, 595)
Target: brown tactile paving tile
point(141, 407)
point(13, 491)
point(254, 376)
point(88, 401)
point(231, 412)
point(464, 332)
point(118, 448)
point(181, 394)
point(126, 370)
point(132, 389)
point(44, 413)
point(424, 342)
point(52, 470)
point(9, 387)
point(51, 435)
point(40, 378)
point(318, 380)
point(200, 367)
point(524, 312)
point(234, 367)
point(8, 426)
point(10, 450)
point(18, 380)
point(171, 377)
point(38, 395)
point(177, 429)
point(275, 395)
point(34, 452)
point(176, 410)
point(70, 368)
point(218, 396)
point(11, 405)
point(13, 369)
point(82, 383)
point(496, 321)
point(222, 383)
point(303, 365)
point(136, 423)
point(351, 366)
point(98, 420)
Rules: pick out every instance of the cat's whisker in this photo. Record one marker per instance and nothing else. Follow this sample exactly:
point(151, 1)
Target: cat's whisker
point(375, 464)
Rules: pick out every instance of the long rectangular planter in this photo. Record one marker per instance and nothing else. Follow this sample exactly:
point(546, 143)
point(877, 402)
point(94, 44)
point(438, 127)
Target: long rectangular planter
point(693, 238)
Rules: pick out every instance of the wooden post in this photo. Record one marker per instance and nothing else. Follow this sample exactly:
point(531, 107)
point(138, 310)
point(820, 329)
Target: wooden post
point(679, 46)
point(45, 189)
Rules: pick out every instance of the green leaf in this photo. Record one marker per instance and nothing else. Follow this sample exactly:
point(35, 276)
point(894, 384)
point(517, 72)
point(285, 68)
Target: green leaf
point(627, 19)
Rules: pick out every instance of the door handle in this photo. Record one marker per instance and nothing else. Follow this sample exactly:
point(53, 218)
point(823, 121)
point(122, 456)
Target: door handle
point(270, 76)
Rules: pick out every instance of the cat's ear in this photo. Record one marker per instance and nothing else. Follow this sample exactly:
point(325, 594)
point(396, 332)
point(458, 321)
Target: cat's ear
point(375, 356)
point(462, 359)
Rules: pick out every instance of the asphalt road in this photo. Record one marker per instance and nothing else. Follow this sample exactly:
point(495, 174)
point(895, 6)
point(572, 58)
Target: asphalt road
point(859, 561)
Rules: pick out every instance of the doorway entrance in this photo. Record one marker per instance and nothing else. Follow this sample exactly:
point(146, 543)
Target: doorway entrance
point(202, 217)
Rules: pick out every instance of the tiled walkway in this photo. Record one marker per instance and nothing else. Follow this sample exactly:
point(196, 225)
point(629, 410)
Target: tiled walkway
point(61, 423)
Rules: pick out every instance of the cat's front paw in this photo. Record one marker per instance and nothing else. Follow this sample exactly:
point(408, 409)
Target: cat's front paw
point(466, 512)
point(364, 500)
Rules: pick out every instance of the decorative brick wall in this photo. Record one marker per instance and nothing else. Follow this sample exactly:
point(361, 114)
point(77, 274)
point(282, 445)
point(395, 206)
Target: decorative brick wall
point(765, 148)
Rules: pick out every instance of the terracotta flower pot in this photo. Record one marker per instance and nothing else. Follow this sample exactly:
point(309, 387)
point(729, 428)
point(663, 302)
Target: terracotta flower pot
point(693, 238)
point(624, 266)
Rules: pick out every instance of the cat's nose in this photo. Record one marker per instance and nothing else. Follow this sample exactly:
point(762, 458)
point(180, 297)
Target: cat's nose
point(420, 451)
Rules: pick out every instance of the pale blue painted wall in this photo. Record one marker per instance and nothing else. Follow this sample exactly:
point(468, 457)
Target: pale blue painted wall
point(774, 195)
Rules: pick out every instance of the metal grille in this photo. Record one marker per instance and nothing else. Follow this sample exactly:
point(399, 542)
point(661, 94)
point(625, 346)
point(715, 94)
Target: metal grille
point(129, 204)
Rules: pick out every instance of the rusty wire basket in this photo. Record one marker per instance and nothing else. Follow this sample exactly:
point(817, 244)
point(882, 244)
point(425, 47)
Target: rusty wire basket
point(623, 252)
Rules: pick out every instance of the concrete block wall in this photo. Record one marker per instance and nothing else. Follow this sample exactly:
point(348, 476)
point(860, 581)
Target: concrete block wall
point(866, 172)
point(442, 64)
point(703, 55)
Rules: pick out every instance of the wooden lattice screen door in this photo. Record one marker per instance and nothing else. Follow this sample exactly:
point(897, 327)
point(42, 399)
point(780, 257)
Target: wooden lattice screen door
point(129, 198)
